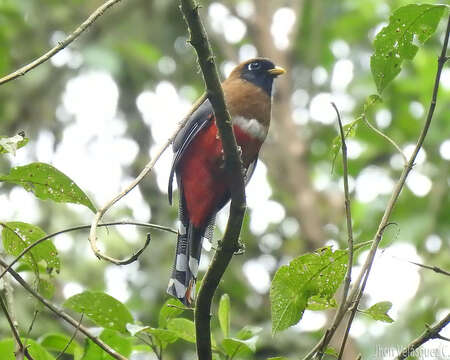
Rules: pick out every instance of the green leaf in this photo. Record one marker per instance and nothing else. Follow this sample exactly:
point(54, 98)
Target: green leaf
point(317, 303)
point(19, 235)
point(168, 312)
point(122, 345)
point(57, 342)
point(315, 275)
point(11, 144)
point(236, 347)
point(48, 183)
point(102, 309)
point(7, 347)
point(278, 358)
point(162, 336)
point(371, 101)
point(379, 311)
point(394, 43)
point(224, 314)
point(46, 288)
point(332, 352)
point(247, 332)
point(183, 328)
point(134, 329)
point(349, 131)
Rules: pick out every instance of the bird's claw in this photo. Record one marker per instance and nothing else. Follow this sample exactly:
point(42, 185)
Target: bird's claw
point(241, 248)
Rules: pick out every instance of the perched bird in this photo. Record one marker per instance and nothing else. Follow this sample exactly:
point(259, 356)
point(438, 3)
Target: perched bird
point(199, 163)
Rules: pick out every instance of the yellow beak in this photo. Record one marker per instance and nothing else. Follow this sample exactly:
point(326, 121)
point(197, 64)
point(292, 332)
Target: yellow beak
point(277, 70)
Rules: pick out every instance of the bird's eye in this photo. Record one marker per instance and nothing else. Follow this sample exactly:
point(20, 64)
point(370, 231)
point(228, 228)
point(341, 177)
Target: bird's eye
point(254, 66)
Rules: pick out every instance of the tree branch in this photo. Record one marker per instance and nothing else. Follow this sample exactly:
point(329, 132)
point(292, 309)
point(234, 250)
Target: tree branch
point(71, 339)
point(62, 44)
point(233, 168)
point(383, 135)
point(21, 350)
point(348, 212)
point(430, 333)
point(99, 215)
point(63, 315)
point(81, 227)
point(434, 268)
point(348, 215)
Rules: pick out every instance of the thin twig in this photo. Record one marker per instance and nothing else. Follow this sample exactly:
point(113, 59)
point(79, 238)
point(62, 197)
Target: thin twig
point(430, 333)
point(21, 350)
point(348, 212)
point(179, 307)
point(71, 339)
point(436, 269)
point(83, 227)
point(354, 293)
point(354, 306)
point(9, 310)
point(233, 170)
point(99, 215)
point(33, 321)
point(383, 135)
point(61, 44)
point(63, 315)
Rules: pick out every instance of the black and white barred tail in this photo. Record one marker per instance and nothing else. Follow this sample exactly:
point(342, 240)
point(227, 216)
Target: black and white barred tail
point(187, 257)
point(185, 267)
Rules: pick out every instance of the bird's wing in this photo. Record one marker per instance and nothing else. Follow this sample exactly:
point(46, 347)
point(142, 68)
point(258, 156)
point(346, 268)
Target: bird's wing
point(198, 120)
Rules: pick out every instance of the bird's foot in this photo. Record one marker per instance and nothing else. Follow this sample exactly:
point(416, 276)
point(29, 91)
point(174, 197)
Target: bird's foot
point(241, 248)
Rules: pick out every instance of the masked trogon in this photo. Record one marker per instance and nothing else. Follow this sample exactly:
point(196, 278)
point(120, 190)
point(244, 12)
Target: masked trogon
point(199, 163)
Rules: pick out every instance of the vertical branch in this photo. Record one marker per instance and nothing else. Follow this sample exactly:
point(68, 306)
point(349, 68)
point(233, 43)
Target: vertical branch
point(348, 212)
point(233, 169)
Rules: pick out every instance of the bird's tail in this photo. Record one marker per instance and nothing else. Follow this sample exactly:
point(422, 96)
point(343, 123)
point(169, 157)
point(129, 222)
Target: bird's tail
point(185, 268)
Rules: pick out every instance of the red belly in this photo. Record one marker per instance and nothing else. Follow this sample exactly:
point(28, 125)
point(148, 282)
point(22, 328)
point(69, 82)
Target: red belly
point(202, 174)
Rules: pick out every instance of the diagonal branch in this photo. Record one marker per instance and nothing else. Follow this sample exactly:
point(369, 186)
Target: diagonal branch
point(434, 268)
point(22, 350)
point(63, 315)
point(61, 354)
point(429, 334)
point(62, 44)
point(81, 227)
point(233, 168)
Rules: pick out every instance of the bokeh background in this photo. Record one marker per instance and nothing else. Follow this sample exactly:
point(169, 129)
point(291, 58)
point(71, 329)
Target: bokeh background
point(99, 109)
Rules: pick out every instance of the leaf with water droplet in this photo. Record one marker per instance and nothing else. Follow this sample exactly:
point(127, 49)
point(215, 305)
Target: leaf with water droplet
point(395, 42)
point(307, 280)
point(97, 306)
point(48, 183)
point(379, 311)
point(18, 235)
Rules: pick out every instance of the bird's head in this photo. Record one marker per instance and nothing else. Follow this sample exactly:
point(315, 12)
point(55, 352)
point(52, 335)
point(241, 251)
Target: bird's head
point(258, 71)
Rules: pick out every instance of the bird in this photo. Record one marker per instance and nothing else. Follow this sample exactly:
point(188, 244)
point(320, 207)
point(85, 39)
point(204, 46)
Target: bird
point(198, 163)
